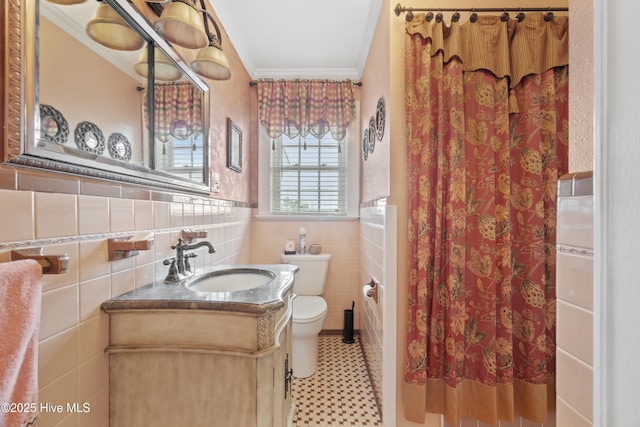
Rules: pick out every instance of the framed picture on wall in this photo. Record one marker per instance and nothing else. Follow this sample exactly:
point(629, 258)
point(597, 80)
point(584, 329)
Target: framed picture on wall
point(234, 146)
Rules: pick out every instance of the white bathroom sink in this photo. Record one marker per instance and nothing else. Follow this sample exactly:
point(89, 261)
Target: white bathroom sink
point(231, 280)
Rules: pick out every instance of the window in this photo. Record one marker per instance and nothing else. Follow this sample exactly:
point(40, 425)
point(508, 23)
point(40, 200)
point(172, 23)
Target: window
point(308, 176)
point(182, 157)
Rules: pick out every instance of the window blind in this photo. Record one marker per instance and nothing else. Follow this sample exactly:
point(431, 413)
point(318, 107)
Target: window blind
point(308, 176)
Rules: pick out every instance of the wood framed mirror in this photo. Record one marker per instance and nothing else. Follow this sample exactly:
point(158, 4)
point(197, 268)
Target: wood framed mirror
point(60, 83)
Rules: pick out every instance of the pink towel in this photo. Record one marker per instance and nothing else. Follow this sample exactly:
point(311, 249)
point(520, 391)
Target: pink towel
point(20, 293)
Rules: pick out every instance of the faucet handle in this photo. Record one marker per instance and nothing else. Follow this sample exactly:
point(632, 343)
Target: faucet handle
point(178, 245)
point(187, 264)
point(173, 275)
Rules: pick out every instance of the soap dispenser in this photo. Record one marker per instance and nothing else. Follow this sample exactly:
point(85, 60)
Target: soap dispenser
point(302, 244)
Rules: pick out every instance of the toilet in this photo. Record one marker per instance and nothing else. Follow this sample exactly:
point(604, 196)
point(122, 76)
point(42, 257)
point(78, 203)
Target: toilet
point(309, 310)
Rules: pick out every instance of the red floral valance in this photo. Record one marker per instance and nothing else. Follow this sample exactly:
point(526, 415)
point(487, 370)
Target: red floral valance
point(301, 107)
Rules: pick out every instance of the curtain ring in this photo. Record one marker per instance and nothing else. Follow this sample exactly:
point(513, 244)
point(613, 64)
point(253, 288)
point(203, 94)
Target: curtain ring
point(520, 17)
point(429, 16)
point(505, 16)
point(455, 17)
point(409, 16)
point(473, 17)
point(439, 16)
point(548, 17)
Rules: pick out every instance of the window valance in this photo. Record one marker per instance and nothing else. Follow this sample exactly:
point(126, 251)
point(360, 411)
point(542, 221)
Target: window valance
point(507, 49)
point(300, 107)
point(175, 104)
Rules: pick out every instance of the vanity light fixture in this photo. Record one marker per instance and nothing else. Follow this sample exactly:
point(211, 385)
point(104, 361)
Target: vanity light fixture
point(182, 24)
point(211, 61)
point(164, 69)
point(110, 29)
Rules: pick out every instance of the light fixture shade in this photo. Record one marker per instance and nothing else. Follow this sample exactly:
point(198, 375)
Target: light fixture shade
point(164, 69)
point(110, 29)
point(212, 63)
point(181, 24)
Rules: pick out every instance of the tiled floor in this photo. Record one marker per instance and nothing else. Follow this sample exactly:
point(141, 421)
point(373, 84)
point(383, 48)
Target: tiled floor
point(339, 393)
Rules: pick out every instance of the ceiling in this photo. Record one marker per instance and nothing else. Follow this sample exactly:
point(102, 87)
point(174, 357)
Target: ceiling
point(300, 38)
point(273, 38)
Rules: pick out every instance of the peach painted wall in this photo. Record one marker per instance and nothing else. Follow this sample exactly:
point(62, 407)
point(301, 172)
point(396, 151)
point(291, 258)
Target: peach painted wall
point(581, 98)
point(232, 99)
point(375, 85)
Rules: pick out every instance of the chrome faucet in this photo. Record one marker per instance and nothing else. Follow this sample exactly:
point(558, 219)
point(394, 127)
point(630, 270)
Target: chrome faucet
point(180, 268)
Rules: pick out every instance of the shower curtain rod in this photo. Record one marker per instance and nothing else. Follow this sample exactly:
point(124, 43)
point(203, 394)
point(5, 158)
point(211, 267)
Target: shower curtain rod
point(401, 9)
point(254, 83)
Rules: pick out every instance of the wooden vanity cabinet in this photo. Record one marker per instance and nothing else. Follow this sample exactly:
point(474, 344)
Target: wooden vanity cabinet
point(200, 368)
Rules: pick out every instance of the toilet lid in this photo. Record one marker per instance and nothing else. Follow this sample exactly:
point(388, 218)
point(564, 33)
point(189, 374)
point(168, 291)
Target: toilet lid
point(307, 309)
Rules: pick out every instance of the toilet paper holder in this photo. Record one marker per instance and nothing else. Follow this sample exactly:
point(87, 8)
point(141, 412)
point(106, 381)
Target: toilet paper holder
point(372, 292)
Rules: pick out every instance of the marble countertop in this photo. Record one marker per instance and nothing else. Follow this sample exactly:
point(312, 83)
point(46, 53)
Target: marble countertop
point(178, 296)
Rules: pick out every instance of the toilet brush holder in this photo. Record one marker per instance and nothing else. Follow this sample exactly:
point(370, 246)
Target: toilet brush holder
point(347, 332)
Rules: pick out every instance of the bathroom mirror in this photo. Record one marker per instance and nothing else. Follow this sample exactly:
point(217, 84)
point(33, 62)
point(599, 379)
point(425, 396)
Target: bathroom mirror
point(88, 108)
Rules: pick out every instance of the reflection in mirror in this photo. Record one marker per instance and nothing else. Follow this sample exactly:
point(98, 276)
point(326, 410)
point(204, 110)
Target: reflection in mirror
point(85, 81)
point(102, 91)
point(179, 147)
point(53, 125)
point(50, 127)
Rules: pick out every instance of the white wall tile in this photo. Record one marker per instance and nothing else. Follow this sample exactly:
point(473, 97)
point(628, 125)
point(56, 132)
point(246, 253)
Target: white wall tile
point(60, 310)
point(55, 215)
point(93, 215)
point(17, 215)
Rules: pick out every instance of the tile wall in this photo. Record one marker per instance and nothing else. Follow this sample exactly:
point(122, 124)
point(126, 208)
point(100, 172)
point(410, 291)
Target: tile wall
point(372, 255)
point(574, 305)
point(340, 238)
point(73, 331)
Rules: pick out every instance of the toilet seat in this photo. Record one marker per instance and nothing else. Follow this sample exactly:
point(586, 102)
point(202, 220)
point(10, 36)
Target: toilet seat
point(308, 309)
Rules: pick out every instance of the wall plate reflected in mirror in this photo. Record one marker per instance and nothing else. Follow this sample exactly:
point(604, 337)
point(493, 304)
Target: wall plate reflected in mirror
point(53, 126)
point(119, 147)
point(89, 138)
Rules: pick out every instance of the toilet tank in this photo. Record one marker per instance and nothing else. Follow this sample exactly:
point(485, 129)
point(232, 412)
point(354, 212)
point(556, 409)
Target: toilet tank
point(311, 278)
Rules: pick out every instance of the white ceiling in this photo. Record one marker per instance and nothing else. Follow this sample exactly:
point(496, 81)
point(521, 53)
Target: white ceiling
point(300, 38)
point(274, 38)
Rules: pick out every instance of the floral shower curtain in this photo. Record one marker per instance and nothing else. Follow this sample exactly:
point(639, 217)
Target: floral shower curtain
point(301, 107)
point(487, 129)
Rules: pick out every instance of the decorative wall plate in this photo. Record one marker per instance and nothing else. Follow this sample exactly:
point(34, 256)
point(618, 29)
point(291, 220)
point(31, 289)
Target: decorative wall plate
point(372, 134)
point(119, 147)
point(380, 118)
point(89, 138)
point(365, 144)
point(53, 126)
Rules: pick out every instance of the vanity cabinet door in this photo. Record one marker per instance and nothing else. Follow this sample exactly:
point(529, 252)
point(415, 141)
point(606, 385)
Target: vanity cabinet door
point(283, 390)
